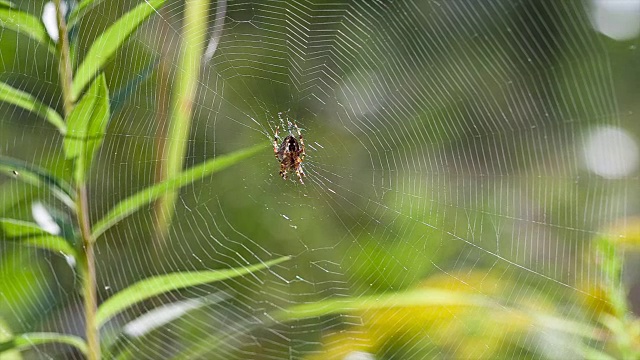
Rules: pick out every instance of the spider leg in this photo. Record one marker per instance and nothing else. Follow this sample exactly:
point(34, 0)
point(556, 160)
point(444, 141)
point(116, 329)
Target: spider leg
point(302, 152)
point(300, 174)
point(275, 142)
point(283, 171)
point(298, 170)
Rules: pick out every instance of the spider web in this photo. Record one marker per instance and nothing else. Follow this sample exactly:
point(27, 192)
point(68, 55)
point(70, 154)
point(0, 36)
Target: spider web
point(443, 146)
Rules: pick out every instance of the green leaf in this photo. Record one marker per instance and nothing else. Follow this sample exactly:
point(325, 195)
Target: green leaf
point(16, 228)
point(420, 297)
point(51, 242)
point(161, 284)
point(28, 340)
point(7, 4)
point(87, 124)
point(83, 7)
point(26, 24)
point(33, 235)
point(108, 43)
point(425, 297)
point(26, 101)
point(39, 177)
point(134, 202)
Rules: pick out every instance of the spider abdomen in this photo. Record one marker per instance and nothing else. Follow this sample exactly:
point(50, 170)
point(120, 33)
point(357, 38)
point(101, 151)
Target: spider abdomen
point(290, 153)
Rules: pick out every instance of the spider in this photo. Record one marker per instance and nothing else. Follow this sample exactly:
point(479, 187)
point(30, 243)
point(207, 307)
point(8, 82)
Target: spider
point(290, 153)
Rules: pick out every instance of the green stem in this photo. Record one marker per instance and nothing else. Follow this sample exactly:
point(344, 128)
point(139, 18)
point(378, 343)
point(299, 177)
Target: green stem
point(64, 67)
point(193, 35)
point(88, 276)
point(87, 263)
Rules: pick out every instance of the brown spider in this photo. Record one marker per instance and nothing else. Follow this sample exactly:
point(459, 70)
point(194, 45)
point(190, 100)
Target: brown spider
point(290, 153)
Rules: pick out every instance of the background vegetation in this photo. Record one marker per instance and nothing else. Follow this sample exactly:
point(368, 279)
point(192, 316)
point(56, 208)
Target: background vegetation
point(447, 210)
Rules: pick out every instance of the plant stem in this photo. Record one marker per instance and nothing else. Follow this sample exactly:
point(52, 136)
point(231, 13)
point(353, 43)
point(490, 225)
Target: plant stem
point(88, 262)
point(89, 276)
point(66, 72)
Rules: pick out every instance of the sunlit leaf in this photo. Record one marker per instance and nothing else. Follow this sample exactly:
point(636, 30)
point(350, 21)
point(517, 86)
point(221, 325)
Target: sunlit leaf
point(26, 101)
point(33, 175)
point(28, 340)
point(86, 127)
point(427, 297)
point(134, 202)
point(157, 285)
point(421, 297)
point(108, 43)
point(26, 24)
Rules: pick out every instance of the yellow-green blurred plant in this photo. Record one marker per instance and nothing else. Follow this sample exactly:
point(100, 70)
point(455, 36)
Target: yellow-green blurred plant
point(608, 299)
point(475, 315)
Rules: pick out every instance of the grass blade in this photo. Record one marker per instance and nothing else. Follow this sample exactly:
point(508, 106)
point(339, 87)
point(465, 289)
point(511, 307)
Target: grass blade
point(31, 339)
point(134, 202)
point(161, 284)
point(6, 3)
point(24, 100)
point(108, 43)
point(27, 24)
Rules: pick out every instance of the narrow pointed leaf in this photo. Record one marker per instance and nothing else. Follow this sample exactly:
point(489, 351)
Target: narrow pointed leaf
point(28, 340)
point(426, 297)
point(24, 100)
point(27, 24)
point(82, 8)
point(134, 202)
point(421, 297)
point(51, 242)
point(16, 228)
point(33, 235)
point(87, 124)
point(33, 175)
point(161, 284)
point(108, 43)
